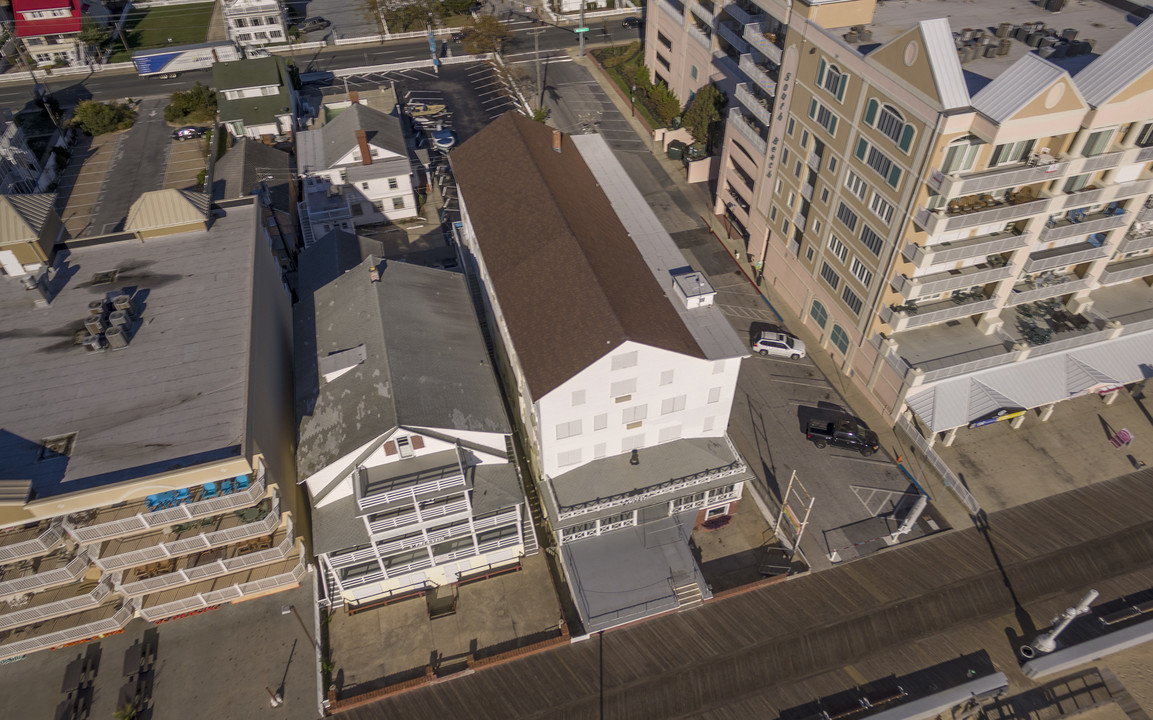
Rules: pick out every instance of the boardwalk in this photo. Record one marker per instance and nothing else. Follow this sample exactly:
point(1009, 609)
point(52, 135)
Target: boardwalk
point(777, 648)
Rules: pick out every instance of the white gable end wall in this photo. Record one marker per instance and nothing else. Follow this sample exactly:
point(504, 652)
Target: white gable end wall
point(635, 397)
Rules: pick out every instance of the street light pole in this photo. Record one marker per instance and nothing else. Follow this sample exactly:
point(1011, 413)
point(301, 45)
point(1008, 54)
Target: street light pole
point(582, 24)
point(285, 609)
point(536, 55)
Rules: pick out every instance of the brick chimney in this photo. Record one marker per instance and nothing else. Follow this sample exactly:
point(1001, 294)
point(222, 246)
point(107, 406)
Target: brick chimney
point(354, 97)
point(556, 140)
point(365, 151)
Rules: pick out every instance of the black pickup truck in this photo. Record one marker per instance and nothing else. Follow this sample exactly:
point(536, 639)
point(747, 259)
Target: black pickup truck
point(843, 433)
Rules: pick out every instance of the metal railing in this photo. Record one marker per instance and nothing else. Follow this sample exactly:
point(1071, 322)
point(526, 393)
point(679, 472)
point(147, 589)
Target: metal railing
point(757, 74)
point(1128, 270)
point(737, 120)
point(1101, 162)
point(410, 492)
point(915, 287)
point(755, 35)
point(67, 606)
point(233, 592)
point(674, 10)
point(38, 545)
point(216, 568)
point(38, 581)
point(744, 17)
point(62, 637)
point(1073, 284)
point(1082, 198)
point(733, 36)
point(700, 36)
point(1135, 243)
point(948, 477)
point(998, 178)
point(927, 315)
point(1063, 256)
point(758, 107)
point(1097, 222)
point(964, 249)
point(935, 222)
point(1069, 343)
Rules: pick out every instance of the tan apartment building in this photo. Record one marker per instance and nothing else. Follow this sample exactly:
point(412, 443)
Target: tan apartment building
point(955, 206)
point(147, 442)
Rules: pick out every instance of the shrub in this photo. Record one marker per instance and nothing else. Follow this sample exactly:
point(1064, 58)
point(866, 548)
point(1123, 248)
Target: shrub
point(197, 104)
point(97, 118)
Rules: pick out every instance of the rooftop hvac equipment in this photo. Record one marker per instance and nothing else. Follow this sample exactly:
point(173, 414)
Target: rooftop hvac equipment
point(1069, 34)
point(990, 51)
point(96, 308)
point(1004, 47)
point(117, 337)
point(124, 302)
point(1004, 29)
point(851, 37)
point(93, 343)
point(94, 324)
point(865, 35)
point(119, 318)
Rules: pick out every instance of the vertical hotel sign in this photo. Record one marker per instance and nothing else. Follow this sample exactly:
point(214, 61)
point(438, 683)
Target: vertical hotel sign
point(774, 131)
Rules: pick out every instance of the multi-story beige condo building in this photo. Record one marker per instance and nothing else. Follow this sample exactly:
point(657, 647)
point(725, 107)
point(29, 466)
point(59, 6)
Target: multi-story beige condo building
point(957, 207)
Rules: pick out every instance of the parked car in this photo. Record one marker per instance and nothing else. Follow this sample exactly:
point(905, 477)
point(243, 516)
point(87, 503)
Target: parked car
point(779, 344)
point(843, 433)
point(631, 23)
point(187, 132)
point(312, 23)
point(457, 35)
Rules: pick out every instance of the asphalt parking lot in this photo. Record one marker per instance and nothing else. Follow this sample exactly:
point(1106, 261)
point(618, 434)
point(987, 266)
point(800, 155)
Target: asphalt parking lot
point(185, 161)
point(81, 185)
point(138, 166)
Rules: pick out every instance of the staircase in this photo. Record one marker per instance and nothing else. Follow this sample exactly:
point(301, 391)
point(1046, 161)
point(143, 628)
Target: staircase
point(533, 516)
point(335, 599)
point(688, 595)
point(305, 225)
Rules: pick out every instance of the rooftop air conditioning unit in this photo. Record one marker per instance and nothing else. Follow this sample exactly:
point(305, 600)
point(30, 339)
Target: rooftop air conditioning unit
point(117, 337)
point(119, 318)
point(94, 325)
point(93, 343)
point(96, 308)
point(124, 302)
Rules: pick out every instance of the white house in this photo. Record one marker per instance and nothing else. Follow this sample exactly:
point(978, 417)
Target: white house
point(255, 97)
point(623, 371)
point(356, 171)
point(255, 22)
point(404, 445)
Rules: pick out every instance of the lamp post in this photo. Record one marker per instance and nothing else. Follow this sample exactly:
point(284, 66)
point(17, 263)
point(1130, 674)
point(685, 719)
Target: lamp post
point(285, 609)
point(633, 100)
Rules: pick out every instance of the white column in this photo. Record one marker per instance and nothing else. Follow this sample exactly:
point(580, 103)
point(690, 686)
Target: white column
point(950, 437)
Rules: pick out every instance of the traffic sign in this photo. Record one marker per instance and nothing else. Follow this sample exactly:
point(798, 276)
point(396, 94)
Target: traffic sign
point(580, 30)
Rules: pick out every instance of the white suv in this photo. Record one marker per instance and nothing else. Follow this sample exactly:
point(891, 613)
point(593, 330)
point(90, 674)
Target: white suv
point(779, 344)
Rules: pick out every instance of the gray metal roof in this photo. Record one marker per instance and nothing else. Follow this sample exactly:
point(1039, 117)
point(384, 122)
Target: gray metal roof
point(174, 398)
point(1033, 382)
point(944, 63)
point(388, 167)
point(1016, 87)
point(335, 526)
point(323, 147)
point(23, 216)
point(1118, 67)
point(331, 256)
point(708, 325)
point(425, 361)
point(239, 171)
point(495, 486)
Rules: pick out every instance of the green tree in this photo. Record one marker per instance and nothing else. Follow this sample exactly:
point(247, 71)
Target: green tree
point(704, 113)
point(93, 34)
point(664, 104)
point(97, 118)
point(197, 104)
point(485, 34)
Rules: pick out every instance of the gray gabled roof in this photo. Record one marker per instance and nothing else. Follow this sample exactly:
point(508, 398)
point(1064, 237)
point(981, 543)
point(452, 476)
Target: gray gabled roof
point(1016, 87)
point(22, 217)
point(239, 172)
point(1118, 67)
point(944, 63)
point(425, 362)
point(323, 147)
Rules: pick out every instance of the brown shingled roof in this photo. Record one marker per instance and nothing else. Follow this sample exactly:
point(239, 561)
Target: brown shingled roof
point(569, 279)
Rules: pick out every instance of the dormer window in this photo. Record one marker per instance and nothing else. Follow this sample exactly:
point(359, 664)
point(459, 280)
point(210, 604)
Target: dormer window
point(404, 445)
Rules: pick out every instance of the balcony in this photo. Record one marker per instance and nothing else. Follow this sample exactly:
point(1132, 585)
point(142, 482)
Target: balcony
point(107, 618)
point(934, 313)
point(748, 132)
point(39, 574)
point(913, 288)
point(1127, 270)
point(188, 538)
point(1082, 198)
point(33, 608)
point(706, 12)
point(959, 185)
point(674, 9)
point(20, 543)
point(935, 222)
point(425, 515)
point(1132, 189)
point(209, 564)
point(1065, 256)
point(814, 162)
point(1090, 223)
point(1103, 161)
point(135, 517)
point(1046, 287)
point(1146, 212)
point(761, 108)
point(251, 582)
point(766, 42)
point(701, 35)
point(957, 250)
point(759, 74)
point(744, 13)
point(732, 35)
point(429, 474)
point(1136, 240)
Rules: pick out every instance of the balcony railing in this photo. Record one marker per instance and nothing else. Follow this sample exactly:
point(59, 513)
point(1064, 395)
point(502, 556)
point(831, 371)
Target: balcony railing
point(1101, 162)
point(1131, 189)
point(1136, 241)
point(759, 107)
point(1065, 256)
point(760, 40)
point(700, 35)
point(1064, 284)
point(743, 16)
point(704, 13)
point(737, 120)
point(915, 287)
point(935, 313)
point(479, 550)
point(1127, 270)
point(1082, 198)
point(1094, 223)
point(228, 594)
point(673, 9)
point(217, 568)
point(67, 606)
point(956, 250)
point(936, 222)
point(411, 492)
point(145, 520)
point(405, 520)
point(758, 74)
point(959, 185)
point(195, 543)
point(35, 582)
point(733, 36)
point(34, 547)
point(115, 622)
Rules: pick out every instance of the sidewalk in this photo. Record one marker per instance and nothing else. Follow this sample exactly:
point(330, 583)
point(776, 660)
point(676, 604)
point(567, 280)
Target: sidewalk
point(698, 194)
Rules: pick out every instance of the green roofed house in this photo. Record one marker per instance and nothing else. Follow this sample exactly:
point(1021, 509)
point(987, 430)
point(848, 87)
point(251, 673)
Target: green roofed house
point(255, 97)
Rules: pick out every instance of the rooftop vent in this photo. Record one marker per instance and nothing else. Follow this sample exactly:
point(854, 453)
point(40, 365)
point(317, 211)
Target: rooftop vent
point(105, 277)
point(57, 446)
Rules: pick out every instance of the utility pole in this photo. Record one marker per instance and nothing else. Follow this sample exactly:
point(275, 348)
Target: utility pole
point(536, 54)
point(582, 24)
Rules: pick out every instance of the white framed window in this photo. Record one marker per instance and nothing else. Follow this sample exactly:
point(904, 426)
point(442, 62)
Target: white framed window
point(707, 423)
point(831, 79)
point(624, 360)
point(393, 183)
point(599, 451)
point(792, 200)
point(634, 414)
point(718, 367)
point(578, 398)
point(714, 395)
point(1013, 152)
point(568, 429)
point(672, 405)
point(961, 154)
point(861, 272)
point(856, 185)
point(881, 207)
point(668, 434)
point(623, 387)
point(568, 457)
point(398, 203)
point(600, 421)
point(878, 161)
point(838, 248)
point(666, 377)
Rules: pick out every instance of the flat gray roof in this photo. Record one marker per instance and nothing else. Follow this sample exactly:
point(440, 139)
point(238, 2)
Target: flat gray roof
point(174, 398)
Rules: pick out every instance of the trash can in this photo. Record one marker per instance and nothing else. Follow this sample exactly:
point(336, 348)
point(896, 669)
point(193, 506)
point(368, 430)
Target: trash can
point(676, 150)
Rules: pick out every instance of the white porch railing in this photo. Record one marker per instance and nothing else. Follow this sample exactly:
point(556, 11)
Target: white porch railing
point(411, 492)
point(67, 606)
point(62, 637)
point(228, 594)
point(50, 578)
point(32, 548)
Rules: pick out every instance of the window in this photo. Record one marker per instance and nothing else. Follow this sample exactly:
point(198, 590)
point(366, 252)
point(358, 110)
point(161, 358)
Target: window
point(791, 126)
point(824, 196)
point(882, 208)
point(718, 367)
point(578, 398)
point(707, 424)
point(241, 22)
point(1011, 152)
point(838, 248)
point(785, 157)
point(1097, 143)
point(275, 33)
point(871, 239)
point(667, 377)
point(809, 253)
point(664, 63)
point(623, 387)
point(832, 164)
point(693, 72)
point(600, 422)
point(393, 183)
point(668, 434)
point(672, 405)
point(824, 116)
point(830, 276)
point(851, 300)
point(634, 414)
point(862, 272)
point(568, 429)
point(847, 216)
point(624, 360)
point(805, 139)
point(830, 78)
point(785, 227)
point(1077, 183)
point(256, 21)
point(889, 121)
point(879, 162)
point(856, 185)
point(364, 186)
point(1145, 137)
point(818, 313)
point(960, 155)
point(817, 227)
point(714, 395)
point(271, 20)
point(773, 214)
point(797, 169)
point(840, 338)
point(664, 40)
point(398, 203)
point(569, 457)
point(599, 451)
point(792, 200)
